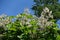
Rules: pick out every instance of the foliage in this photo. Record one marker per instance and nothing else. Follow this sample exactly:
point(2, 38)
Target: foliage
point(53, 5)
point(29, 27)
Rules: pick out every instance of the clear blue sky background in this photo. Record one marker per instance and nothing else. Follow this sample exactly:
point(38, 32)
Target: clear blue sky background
point(13, 7)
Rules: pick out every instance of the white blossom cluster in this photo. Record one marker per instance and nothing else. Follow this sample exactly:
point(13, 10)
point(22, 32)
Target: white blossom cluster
point(24, 20)
point(43, 20)
point(26, 10)
point(4, 20)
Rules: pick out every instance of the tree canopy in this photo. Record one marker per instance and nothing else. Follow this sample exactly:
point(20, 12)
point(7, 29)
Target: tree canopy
point(29, 27)
point(53, 5)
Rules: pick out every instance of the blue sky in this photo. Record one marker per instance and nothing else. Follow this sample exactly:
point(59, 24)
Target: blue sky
point(13, 7)
point(58, 22)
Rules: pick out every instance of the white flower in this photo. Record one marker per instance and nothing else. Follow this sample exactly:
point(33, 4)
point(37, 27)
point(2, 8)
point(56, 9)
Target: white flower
point(18, 15)
point(26, 10)
point(43, 19)
point(46, 10)
point(29, 20)
point(50, 12)
point(27, 23)
point(3, 15)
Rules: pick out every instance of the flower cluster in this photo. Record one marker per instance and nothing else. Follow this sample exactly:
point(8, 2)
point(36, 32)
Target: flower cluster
point(44, 19)
point(4, 19)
